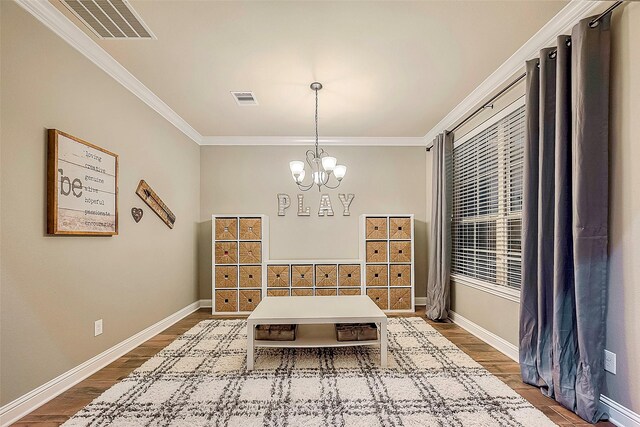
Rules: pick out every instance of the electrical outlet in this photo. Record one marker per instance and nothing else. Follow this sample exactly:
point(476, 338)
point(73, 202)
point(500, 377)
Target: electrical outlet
point(97, 328)
point(610, 362)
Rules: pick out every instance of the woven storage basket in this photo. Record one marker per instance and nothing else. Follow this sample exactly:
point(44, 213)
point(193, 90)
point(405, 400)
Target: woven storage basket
point(226, 252)
point(250, 253)
point(278, 276)
point(226, 276)
point(302, 276)
point(326, 276)
point(248, 299)
point(227, 301)
point(377, 275)
point(250, 276)
point(380, 297)
point(326, 292)
point(348, 275)
point(399, 228)
point(302, 292)
point(348, 291)
point(226, 229)
point(400, 298)
point(356, 331)
point(400, 275)
point(376, 251)
point(250, 229)
point(400, 251)
point(275, 332)
point(277, 292)
point(376, 228)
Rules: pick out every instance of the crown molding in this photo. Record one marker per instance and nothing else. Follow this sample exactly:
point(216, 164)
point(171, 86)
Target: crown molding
point(57, 22)
point(546, 36)
point(404, 141)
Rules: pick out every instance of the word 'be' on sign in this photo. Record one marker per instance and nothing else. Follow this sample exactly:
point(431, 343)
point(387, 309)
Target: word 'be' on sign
point(325, 208)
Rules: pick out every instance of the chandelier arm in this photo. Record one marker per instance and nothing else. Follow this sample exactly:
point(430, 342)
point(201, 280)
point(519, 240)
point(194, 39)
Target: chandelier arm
point(310, 157)
point(305, 187)
point(332, 187)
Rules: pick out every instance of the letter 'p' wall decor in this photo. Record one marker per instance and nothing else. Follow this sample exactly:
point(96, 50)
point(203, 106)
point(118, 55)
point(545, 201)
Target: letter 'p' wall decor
point(82, 187)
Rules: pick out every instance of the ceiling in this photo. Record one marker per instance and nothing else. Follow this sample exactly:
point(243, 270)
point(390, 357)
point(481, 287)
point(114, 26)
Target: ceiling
point(389, 69)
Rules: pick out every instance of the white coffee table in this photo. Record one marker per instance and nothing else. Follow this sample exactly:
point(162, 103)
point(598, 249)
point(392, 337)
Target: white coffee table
point(316, 317)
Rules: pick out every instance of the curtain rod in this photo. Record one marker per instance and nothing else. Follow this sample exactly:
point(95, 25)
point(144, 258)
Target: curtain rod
point(520, 77)
point(485, 105)
point(605, 13)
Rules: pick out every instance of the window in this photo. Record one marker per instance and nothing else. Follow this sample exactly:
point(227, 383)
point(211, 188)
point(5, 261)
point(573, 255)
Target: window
point(487, 201)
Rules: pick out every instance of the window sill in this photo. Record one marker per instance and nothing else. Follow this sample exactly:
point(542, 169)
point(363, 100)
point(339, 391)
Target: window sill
point(491, 288)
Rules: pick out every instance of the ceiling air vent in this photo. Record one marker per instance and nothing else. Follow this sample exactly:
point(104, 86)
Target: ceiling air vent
point(244, 98)
point(110, 19)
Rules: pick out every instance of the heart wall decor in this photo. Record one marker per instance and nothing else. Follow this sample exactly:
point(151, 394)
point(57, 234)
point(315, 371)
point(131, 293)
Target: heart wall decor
point(137, 213)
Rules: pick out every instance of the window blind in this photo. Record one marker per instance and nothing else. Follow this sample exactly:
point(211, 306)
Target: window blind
point(487, 202)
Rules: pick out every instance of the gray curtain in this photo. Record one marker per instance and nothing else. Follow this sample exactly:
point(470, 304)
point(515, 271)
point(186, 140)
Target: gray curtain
point(438, 288)
point(565, 215)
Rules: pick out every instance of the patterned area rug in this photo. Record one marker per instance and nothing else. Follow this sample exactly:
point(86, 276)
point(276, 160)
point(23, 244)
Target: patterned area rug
point(201, 380)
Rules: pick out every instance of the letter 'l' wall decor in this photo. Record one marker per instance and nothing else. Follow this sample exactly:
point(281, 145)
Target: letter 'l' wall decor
point(243, 273)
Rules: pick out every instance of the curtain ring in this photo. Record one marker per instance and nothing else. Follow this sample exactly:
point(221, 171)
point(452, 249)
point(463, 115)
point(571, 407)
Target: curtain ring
point(553, 54)
point(594, 23)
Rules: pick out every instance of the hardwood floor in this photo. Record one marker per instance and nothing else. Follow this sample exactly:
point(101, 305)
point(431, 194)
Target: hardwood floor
point(60, 409)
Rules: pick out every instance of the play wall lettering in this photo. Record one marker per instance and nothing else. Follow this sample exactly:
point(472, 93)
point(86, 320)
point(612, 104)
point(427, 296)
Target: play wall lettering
point(82, 193)
point(325, 207)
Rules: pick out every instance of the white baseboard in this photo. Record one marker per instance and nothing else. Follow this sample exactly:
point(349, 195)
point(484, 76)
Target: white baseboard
point(499, 343)
point(29, 402)
point(618, 414)
point(421, 300)
point(205, 303)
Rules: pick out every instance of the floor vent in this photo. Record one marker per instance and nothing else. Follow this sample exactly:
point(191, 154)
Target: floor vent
point(110, 19)
point(244, 98)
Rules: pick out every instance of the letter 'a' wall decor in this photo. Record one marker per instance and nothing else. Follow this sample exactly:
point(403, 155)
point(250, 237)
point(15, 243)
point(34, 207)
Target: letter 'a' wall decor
point(82, 187)
point(243, 272)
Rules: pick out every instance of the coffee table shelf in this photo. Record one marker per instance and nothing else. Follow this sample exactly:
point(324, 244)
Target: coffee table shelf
point(312, 336)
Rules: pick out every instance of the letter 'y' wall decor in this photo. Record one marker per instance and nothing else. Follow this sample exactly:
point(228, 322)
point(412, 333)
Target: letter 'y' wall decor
point(82, 187)
point(243, 273)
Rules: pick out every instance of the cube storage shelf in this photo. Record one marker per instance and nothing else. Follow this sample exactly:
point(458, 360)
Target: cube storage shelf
point(238, 258)
point(243, 273)
point(389, 272)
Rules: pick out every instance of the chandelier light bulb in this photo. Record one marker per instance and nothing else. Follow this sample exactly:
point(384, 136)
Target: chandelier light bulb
point(329, 163)
point(319, 178)
point(298, 178)
point(339, 171)
point(296, 167)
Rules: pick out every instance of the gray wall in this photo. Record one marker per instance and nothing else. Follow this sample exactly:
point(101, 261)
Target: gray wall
point(623, 319)
point(54, 288)
point(246, 179)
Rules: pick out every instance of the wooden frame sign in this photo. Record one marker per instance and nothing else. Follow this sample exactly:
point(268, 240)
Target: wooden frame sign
point(82, 187)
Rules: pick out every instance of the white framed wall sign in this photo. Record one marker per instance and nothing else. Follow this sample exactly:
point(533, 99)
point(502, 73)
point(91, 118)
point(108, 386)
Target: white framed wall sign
point(82, 187)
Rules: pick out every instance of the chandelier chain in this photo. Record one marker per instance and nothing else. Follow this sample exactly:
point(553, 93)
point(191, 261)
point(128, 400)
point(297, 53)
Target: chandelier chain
point(316, 117)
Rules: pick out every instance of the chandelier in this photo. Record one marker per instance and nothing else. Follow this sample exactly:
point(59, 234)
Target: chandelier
point(321, 164)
